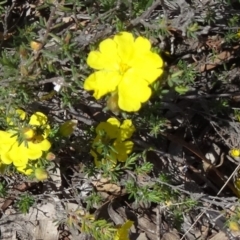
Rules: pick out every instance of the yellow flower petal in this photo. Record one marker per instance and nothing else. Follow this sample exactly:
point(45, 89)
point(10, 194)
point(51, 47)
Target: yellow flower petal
point(3, 135)
point(18, 155)
point(21, 160)
point(122, 232)
point(15, 154)
point(125, 46)
point(22, 114)
point(35, 150)
point(111, 128)
point(147, 66)
point(34, 153)
point(114, 122)
point(5, 158)
point(25, 170)
point(233, 226)
point(123, 149)
point(7, 138)
point(109, 48)
point(102, 82)
point(5, 148)
point(106, 58)
point(38, 119)
point(142, 45)
point(126, 129)
point(46, 130)
point(45, 145)
point(129, 100)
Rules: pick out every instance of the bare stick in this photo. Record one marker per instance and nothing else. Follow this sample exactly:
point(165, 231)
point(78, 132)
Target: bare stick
point(210, 204)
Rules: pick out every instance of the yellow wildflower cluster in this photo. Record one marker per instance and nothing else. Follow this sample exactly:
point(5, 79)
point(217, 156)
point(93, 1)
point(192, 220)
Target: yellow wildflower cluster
point(22, 143)
point(111, 143)
point(124, 66)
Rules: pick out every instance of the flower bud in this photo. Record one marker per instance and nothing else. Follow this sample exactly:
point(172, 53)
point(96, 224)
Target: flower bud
point(23, 70)
point(181, 89)
point(23, 52)
point(67, 38)
point(234, 152)
point(67, 128)
point(50, 156)
point(41, 174)
point(112, 103)
point(35, 45)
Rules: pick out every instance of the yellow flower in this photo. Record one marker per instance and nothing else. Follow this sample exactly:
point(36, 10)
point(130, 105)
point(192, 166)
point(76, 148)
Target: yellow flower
point(32, 146)
point(122, 232)
point(235, 152)
point(233, 226)
point(114, 129)
point(39, 119)
point(124, 65)
point(114, 135)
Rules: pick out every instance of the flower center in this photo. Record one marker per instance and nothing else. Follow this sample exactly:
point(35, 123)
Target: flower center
point(28, 133)
point(123, 68)
point(37, 139)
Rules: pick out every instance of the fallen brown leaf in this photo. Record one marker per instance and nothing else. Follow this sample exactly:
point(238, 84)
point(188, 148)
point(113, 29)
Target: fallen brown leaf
point(104, 185)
